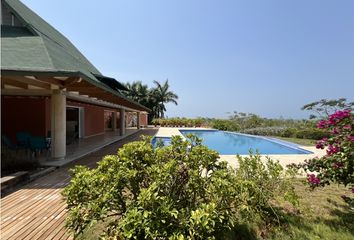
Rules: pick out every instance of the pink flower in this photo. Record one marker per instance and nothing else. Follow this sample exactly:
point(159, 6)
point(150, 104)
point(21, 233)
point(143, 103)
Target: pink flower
point(338, 116)
point(320, 145)
point(347, 127)
point(337, 165)
point(334, 131)
point(312, 179)
point(331, 150)
point(353, 190)
point(351, 138)
point(322, 124)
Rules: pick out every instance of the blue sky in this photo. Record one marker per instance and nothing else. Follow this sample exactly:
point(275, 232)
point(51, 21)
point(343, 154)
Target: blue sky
point(265, 57)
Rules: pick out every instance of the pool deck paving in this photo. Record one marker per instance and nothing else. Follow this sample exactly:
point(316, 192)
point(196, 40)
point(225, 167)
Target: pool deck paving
point(37, 209)
point(284, 159)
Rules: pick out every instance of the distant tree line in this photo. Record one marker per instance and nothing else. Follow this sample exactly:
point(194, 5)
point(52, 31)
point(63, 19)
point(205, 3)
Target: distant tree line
point(306, 128)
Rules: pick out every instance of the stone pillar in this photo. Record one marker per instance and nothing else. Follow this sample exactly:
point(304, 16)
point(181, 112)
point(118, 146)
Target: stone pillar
point(58, 124)
point(138, 120)
point(122, 122)
point(114, 121)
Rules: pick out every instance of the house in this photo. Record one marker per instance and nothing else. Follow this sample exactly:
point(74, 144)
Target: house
point(50, 89)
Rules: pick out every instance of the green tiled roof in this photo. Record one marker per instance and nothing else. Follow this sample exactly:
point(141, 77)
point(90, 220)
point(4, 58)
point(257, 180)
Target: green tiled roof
point(38, 47)
point(62, 55)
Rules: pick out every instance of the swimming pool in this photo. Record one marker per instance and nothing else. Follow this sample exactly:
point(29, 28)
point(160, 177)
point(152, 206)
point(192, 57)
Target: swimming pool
point(228, 143)
point(165, 141)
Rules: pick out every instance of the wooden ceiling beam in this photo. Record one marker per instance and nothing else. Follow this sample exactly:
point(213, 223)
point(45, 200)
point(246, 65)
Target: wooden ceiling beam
point(50, 80)
point(14, 83)
point(29, 81)
point(84, 88)
point(95, 92)
point(104, 96)
point(71, 80)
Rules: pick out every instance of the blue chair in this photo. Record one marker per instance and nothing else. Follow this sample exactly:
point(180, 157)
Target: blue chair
point(23, 139)
point(38, 144)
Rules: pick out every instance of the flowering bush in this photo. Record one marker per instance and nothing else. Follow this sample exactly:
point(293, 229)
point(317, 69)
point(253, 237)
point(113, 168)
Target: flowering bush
point(181, 191)
point(338, 164)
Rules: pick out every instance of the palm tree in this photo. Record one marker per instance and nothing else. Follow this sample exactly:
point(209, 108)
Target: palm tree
point(163, 95)
point(138, 92)
point(153, 98)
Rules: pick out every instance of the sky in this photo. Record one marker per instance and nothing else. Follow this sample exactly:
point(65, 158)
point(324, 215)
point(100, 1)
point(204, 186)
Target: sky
point(265, 57)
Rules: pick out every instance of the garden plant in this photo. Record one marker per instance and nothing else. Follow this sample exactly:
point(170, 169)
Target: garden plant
point(337, 166)
point(181, 191)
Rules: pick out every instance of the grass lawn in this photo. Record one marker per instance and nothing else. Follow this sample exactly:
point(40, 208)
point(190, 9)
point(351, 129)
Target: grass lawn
point(321, 214)
point(300, 141)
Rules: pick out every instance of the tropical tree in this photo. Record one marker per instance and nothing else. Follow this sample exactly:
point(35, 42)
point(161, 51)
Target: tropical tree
point(138, 92)
point(324, 108)
point(163, 95)
point(141, 93)
point(153, 98)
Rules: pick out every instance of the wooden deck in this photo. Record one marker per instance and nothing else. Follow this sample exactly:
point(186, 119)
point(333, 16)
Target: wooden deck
point(37, 210)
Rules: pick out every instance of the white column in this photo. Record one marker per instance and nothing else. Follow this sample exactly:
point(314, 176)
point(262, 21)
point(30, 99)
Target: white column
point(122, 122)
point(114, 123)
point(138, 120)
point(58, 128)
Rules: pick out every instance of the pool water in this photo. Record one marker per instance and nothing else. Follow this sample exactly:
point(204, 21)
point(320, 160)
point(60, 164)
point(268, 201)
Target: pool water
point(227, 143)
point(165, 141)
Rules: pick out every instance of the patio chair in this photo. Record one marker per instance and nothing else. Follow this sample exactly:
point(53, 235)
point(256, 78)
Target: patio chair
point(38, 144)
point(23, 139)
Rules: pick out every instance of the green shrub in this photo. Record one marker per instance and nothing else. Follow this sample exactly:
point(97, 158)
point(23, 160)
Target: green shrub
point(178, 122)
point(315, 134)
point(265, 131)
point(288, 132)
point(177, 192)
point(224, 125)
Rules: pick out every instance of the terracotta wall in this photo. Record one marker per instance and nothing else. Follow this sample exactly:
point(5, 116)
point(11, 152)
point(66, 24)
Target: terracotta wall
point(143, 119)
point(23, 114)
point(131, 119)
point(94, 118)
